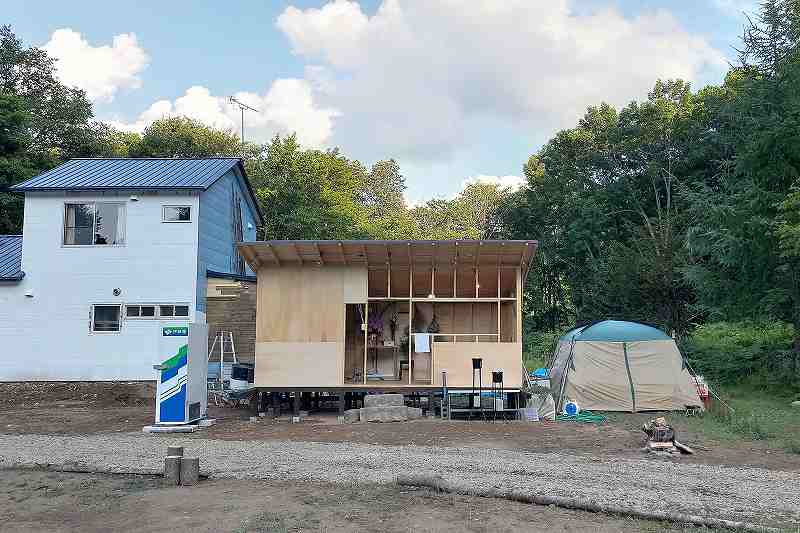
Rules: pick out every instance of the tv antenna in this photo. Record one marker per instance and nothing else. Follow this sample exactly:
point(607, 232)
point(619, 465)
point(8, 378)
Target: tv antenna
point(242, 107)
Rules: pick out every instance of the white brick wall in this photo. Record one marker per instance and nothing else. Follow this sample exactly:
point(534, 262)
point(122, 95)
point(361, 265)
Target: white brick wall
point(47, 337)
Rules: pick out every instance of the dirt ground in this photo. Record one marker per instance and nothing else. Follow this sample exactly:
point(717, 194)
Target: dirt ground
point(33, 500)
point(106, 408)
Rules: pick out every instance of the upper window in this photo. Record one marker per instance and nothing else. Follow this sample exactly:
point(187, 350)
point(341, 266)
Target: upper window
point(176, 213)
point(94, 223)
point(105, 318)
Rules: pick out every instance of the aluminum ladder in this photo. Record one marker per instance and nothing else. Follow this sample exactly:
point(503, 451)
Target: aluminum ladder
point(224, 348)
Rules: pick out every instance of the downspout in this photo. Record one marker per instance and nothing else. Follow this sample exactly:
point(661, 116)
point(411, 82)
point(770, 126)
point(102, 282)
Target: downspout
point(630, 378)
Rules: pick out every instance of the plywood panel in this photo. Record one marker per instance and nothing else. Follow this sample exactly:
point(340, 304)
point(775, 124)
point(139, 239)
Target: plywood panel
point(456, 358)
point(484, 320)
point(300, 304)
point(508, 321)
point(355, 284)
point(299, 364)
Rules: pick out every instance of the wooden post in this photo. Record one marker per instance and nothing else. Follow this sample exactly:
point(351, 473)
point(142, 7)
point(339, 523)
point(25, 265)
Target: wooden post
point(518, 334)
point(497, 339)
point(366, 341)
point(296, 403)
point(410, 314)
point(341, 403)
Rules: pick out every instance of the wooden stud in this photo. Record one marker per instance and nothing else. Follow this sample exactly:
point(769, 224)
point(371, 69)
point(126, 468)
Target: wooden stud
point(341, 251)
point(366, 340)
point(518, 335)
point(297, 251)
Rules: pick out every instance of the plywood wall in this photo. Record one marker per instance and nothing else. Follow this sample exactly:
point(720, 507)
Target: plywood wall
point(456, 358)
point(306, 304)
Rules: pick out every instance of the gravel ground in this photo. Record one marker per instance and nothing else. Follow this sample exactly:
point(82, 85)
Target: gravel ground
point(749, 494)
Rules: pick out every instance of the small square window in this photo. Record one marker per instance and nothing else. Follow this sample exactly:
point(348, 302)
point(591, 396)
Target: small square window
point(140, 311)
point(166, 311)
point(105, 318)
point(177, 213)
point(182, 310)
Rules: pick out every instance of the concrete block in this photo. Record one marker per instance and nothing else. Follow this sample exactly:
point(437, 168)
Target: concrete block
point(172, 469)
point(391, 413)
point(188, 428)
point(383, 400)
point(262, 415)
point(295, 420)
point(206, 422)
point(352, 415)
point(414, 413)
point(190, 470)
point(253, 419)
point(174, 451)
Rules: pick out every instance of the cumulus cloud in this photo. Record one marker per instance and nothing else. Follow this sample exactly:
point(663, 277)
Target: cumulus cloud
point(286, 107)
point(419, 79)
point(101, 71)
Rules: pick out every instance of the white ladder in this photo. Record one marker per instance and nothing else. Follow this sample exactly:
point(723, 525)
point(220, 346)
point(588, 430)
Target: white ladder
point(227, 349)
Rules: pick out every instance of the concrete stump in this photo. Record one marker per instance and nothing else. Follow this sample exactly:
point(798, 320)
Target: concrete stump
point(172, 469)
point(190, 470)
point(383, 400)
point(414, 413)
point(174, 451)
point(392, 413)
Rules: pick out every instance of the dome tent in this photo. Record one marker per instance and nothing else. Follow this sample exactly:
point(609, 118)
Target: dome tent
point(621, 366)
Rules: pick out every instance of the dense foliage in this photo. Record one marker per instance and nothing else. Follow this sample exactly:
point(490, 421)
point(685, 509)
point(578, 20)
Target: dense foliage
point(682, 209)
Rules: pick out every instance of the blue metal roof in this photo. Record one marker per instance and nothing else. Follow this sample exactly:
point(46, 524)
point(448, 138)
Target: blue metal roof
point(616, 331)
point(131, 173)
point(11, 258)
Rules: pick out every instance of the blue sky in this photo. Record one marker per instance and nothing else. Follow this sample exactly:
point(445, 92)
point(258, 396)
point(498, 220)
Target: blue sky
point(454, 90)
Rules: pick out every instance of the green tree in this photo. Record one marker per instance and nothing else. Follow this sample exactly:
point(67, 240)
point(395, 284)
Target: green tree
point(184, 137)
point(57, 122)
point(309, 194)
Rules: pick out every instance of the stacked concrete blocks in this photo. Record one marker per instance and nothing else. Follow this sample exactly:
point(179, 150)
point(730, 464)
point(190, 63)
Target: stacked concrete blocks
point(383, 408)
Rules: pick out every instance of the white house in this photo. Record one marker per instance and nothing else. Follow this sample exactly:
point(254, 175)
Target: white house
point(112, 251)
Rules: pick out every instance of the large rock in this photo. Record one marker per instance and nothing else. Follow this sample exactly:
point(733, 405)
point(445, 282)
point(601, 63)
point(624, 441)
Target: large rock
point(391, 413)
point(383, 400)
point(414, 413)
point(352, 415)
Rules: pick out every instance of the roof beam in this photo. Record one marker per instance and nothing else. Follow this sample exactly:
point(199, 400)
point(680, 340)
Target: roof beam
point(297, 251)
point(319, 254)
point(274, 254)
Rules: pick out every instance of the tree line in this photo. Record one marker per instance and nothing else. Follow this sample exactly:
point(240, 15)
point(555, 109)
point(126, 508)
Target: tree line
point(677, 210)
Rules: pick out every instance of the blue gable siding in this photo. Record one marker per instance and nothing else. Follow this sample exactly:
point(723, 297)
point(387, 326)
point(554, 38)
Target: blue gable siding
point(215, 229)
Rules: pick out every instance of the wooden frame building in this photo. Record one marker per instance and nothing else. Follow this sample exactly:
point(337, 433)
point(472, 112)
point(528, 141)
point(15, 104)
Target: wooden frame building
point(363, 315)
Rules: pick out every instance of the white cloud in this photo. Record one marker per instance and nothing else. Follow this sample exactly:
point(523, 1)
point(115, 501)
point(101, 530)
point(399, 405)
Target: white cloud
point(99, 70)
point(419, 79)
point(286, 107)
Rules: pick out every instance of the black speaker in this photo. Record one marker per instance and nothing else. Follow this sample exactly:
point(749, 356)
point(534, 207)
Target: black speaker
point(477, 363)
point(497, 376)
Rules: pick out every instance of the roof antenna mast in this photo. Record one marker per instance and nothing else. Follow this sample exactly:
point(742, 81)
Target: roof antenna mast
point(242, 107)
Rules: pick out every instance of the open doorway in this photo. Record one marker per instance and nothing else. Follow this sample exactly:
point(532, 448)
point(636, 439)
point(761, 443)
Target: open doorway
point(355, 326)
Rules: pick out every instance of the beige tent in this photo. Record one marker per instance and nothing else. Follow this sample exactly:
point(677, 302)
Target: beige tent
point(621, 366)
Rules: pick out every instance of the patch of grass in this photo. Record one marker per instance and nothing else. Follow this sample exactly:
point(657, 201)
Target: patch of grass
point(759, 414)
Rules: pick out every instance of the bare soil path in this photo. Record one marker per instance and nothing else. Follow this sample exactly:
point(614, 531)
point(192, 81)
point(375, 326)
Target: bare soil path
point(34, 501)
point(748, 494)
